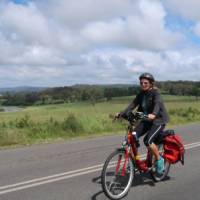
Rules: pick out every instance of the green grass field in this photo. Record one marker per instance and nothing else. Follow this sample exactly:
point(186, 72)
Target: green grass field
point(54, 122)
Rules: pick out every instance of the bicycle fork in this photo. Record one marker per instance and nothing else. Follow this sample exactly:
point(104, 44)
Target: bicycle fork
point(124, 164)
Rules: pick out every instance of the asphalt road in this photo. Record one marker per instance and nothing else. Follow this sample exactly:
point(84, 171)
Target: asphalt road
point(71, 171)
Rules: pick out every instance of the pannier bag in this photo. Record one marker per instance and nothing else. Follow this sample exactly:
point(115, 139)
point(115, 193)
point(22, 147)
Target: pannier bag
point(173, 149)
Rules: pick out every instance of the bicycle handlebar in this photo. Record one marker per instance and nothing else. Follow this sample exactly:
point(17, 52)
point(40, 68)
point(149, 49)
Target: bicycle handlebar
point(140, 115)
point(132, 117)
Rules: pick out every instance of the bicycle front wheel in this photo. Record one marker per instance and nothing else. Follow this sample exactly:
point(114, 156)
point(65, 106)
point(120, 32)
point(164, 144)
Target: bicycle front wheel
point(117, 175)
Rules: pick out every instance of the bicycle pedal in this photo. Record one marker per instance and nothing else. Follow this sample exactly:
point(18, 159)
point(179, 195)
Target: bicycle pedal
point(137, 170)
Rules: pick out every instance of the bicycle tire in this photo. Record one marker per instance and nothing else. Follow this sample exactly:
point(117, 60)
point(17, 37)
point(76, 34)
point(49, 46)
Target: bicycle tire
point(156, 176)
point(110, 163)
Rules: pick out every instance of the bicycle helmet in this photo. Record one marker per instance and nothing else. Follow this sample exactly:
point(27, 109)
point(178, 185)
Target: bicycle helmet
point(147, 76)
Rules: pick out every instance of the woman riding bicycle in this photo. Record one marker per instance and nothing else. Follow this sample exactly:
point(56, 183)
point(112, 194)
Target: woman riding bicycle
point(150, 103)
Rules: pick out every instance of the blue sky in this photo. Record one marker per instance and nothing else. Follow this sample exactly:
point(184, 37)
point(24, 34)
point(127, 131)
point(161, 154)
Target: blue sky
point(184, 26)
point(57, 43)
point(20, 1)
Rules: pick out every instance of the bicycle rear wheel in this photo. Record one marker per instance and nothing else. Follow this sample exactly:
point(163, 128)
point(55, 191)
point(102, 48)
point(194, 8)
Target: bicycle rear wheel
point(155, 175)
point(117, 175)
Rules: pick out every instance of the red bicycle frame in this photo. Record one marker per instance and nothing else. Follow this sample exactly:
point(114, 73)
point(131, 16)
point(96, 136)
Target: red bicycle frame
point(131, 149)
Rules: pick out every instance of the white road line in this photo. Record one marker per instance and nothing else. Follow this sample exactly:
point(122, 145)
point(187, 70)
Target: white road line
point(62, 176)
point(52, 176)
point(47, 181)
point(192, 145)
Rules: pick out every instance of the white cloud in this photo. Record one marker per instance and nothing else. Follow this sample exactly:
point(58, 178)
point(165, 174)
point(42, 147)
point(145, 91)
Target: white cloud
point(76, 14)
point(136, 30)
point(165, 65)
point(196, 29)
point(188, 9)
point(47, 42)
point(25, 23)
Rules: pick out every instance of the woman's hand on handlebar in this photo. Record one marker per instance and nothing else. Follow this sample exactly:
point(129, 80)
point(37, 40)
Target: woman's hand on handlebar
point(151, 116)
point(117, 115)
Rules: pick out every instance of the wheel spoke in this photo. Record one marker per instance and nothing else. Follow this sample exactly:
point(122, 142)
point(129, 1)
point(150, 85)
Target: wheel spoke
point(114, 184)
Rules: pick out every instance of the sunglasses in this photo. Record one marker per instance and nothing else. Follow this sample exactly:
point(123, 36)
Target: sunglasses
point(144, 83)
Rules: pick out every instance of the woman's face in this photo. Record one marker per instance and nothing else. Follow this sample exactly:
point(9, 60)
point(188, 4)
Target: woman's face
point(145, 84)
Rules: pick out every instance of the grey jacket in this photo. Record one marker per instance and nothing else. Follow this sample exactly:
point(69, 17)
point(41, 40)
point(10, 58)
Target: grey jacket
point(154, 105)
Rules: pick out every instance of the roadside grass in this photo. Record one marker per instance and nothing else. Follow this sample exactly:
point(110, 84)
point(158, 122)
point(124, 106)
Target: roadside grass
point(38, 124)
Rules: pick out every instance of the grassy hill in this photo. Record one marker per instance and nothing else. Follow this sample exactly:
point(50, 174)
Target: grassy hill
point(52, 122)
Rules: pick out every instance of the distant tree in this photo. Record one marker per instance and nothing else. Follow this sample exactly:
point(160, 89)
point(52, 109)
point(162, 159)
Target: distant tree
point(85, 95)
point(108, 94)
point(96, 94)
point(31, 98)
point(196, 92)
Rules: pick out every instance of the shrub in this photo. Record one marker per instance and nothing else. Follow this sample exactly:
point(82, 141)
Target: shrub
point(11, 137)
point(185, 114)
point(24, 122)
point(72, 124)
point(2, 109)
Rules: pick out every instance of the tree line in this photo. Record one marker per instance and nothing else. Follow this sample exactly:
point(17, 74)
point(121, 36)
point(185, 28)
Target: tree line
point(94, 93)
